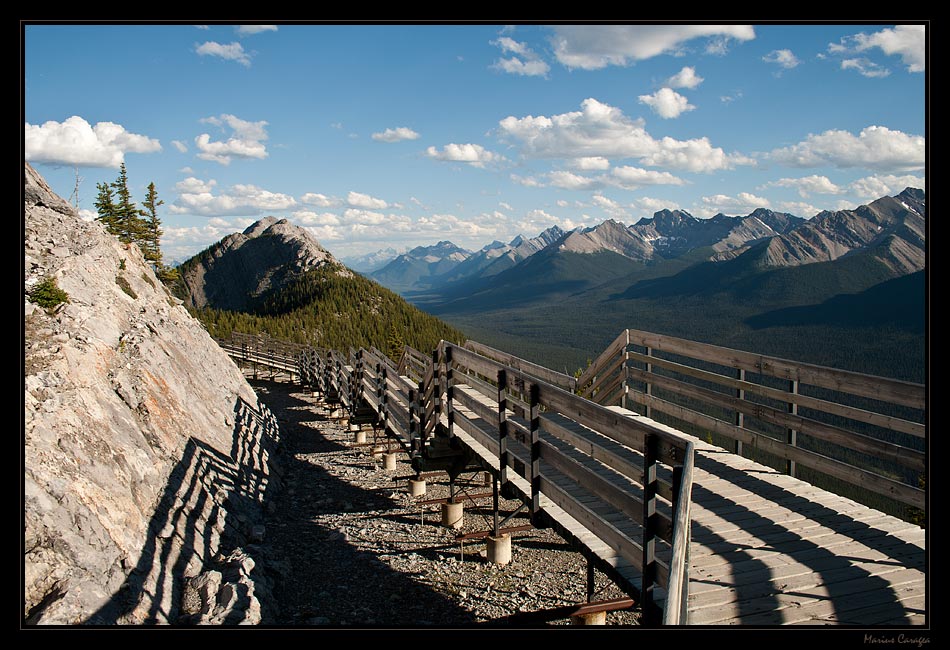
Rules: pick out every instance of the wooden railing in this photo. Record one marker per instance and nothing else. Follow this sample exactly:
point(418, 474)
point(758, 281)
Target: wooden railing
point(860, 430)
point(577, 453)
point(583, 457)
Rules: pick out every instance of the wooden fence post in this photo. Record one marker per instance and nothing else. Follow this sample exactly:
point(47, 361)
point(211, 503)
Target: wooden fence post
point(502, 427)
point(648, 573)
point(740, 417)
point(648, 389)
point(534, 426)
point(449, 390)
point(791, 434)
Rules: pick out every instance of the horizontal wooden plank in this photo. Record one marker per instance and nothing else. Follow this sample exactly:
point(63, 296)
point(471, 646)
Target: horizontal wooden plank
point(873, 387)
point(835, 435)
point(859, 415)
point(611, 351)
point(865, 478)
point(553, 377)
point(611, 371)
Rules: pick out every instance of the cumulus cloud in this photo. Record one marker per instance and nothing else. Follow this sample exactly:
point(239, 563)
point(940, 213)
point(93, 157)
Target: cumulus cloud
point(798, 208)
point(601, 130)
point(396, 135)
point(667, 103)
point(197, 197)
point(591, 47)
point(874, 187)
point(229, 52)
point(181, 146)
point(246, 141)
point(247, 30)
point(75, 142)
point(311, 218)
point(473, 154)
point(685, 78)
point(591, 163)
point(631, 178)
point(906, 41)
point(570, 181)
point(319, 200)
point(808, 185)
point(524, 61)
point(358, 200)
point(506, 206)
point(741, 204)
point(88, 215)
point(875, 147)
point(865, 67)
point(648, 206)
point(783, 58)
point(192, 185)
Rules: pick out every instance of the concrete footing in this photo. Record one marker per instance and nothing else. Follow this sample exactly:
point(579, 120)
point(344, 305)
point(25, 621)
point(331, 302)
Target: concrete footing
point(417, 488)
point(359, 437)
point(499, 550)
point(378, 451)
point(389, 461)
point(452, 515)
point(354, 427)
point(594, 618)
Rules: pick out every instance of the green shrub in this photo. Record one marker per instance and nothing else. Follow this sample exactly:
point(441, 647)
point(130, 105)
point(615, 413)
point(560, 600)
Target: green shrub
point(47, 295)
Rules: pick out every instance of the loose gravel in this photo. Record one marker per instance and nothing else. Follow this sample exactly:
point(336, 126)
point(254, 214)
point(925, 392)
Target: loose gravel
point(347, 546)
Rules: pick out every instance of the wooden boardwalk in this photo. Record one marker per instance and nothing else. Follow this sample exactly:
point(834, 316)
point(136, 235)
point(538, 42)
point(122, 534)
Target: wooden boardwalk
point(766, 548)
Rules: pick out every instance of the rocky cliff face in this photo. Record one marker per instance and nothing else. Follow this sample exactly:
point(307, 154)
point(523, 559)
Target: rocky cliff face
point(146, 455)
point(234, 273)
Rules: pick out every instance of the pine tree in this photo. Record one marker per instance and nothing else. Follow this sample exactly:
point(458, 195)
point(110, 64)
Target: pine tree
point(151, 240)
point(129, 226)
point(105, 205)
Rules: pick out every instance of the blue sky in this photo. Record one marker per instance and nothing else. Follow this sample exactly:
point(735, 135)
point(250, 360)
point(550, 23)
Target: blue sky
point(377, 136)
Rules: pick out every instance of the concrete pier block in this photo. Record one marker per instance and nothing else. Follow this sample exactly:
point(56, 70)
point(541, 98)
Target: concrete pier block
point(594, 618)
point(452, 515)
point(499, 550)
point(359, 437)
point(378, 451)
point(389, 461)
point(417, 488)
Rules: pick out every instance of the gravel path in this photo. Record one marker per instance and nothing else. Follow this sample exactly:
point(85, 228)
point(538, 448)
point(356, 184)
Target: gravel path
point(346, 545)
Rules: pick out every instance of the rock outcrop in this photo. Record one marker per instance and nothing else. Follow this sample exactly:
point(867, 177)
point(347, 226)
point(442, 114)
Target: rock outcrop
point(147, 459)
point(238, 271)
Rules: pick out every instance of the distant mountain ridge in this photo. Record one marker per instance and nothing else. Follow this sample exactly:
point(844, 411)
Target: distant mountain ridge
point(893, 229)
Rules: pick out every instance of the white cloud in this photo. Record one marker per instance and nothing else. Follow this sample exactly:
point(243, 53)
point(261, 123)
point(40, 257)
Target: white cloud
point(181, 146)
point(192, 185)
point(799, 208)
point(396, 135)
point(205, 27)
point(649, 206)
point(591, 163)
point(783, 58)
point(527, 181)
point(632, 178)
point(570, 181)
point(369, 217)
point(506, 206)
point(186, 170)
point(591, 47)
point(219, 222)
point(561, 203)
point(667, 103)
point(728, 99)
point(247, 30)
point(685, 78)
point(602, 130)
point(319, 200)
point(525, 61)
point(245, 142)
point(75, 142)
point(865, 67)
point(906, 41)
point(474, 154)
point(741, 204)
point(870, 188)
point(310, 218)
point(876, 147)
point(88, 215)
point(609, 205)
point(358, 200)
point(228, 52)
point(808, 185)
point(240, 200)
